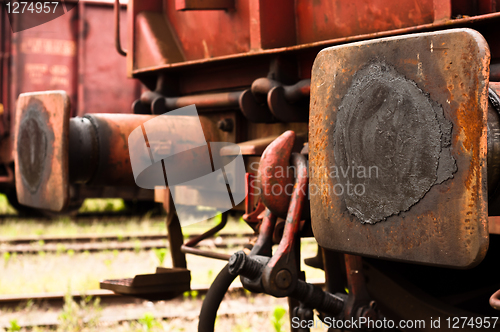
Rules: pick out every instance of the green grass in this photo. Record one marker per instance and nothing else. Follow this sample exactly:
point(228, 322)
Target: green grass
point(5, 207)
point(89, 205)
point(119, 226)
point(102, 205)
point(13, 227)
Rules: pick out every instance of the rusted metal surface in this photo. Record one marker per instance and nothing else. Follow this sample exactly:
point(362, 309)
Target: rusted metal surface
point(288, 103)
point(359, 303)
point(69, 53)
point(254, 147)
point(329, 20)
point(495, 300)
point(385, 286)
point(175, 235)
point(204, 4)
point(252, 25)
point(113, 162)
point(223, 100)
point(280, 275)
point(274, 174)
point(470, 8)
point(9, 177)
point(253, 110)
point(165, 284)
point(254, 209)
point(267, 101)
point(103, 87)
point(113, 130)
point(118, 43)
point(494, 225)
point(41, 142)
point(98, 150)
point(283, 110)
point(452, 68)
point(313, 46)
point(5, 40)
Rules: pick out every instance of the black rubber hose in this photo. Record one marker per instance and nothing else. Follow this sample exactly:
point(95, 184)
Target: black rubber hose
point(212, 301)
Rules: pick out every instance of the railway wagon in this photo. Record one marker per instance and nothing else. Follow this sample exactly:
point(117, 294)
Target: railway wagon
point(387, 113)
point(68, 53)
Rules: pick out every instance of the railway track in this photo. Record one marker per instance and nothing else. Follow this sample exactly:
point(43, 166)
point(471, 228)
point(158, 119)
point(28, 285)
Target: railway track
point(96, 243)
point(84, 215)
point(109, 299)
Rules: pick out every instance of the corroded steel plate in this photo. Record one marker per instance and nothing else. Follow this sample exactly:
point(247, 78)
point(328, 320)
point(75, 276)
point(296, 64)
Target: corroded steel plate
point(40, 149)
point(398, 148)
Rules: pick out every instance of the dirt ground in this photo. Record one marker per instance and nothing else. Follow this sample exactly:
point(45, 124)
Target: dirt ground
point(68, 271)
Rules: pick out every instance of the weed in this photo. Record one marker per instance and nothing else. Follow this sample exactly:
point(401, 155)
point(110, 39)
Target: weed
point(109, 207)
point(185, 295)
point(243, 327)
point(103, 205)
point(194, 294)
point(115, 253)
point(29, 305)
point(41, 253)
point(137, 246)
point(71, 253)
point(79, 316)
point(6, 258)
point(277, 319)
point(41, 243)
point(60, 248)
point(148, 322)
point(107, 262)
point(160, 254)
point(14, 326)
point(120, 237)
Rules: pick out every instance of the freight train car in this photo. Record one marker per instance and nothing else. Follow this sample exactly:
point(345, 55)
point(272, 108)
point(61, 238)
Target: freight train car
point(386, 111)
point(68, 53)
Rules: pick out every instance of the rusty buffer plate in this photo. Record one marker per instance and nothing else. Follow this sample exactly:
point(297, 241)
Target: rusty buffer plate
point(398, 148)
point(41, 142)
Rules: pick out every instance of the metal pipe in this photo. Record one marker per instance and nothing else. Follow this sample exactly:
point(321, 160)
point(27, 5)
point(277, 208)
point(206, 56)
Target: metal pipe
point(298, 91)
point(188, 247)
point(205, 253)
point(212, 301)
point(98, 148)
point(224, 100)
point(118, 43)
point(219, 100)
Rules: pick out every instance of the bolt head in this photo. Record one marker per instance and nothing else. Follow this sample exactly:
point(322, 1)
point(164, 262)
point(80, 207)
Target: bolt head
point(226, 125)
point(283, 279)
point(236, 262)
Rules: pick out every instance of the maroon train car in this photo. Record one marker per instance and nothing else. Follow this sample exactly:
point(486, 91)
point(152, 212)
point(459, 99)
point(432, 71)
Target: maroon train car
point(74, 53)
